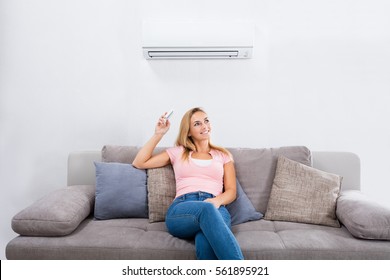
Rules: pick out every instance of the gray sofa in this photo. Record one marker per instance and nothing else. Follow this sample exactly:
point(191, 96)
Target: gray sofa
point(62, 224)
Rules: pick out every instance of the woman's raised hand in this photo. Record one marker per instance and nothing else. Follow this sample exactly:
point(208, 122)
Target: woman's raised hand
point(162, 125)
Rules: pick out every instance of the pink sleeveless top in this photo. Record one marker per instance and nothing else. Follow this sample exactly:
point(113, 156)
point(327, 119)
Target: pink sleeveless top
point(192, 177)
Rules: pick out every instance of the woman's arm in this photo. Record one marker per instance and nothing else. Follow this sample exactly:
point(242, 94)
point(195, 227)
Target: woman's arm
point(229, 182)
point(144, 159)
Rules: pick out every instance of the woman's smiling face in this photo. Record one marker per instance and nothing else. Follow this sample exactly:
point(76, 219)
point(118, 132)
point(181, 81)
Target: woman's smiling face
point(200, 126)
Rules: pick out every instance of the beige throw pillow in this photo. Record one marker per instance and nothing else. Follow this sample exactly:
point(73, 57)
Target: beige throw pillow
point(303, 194)
point(161, 192)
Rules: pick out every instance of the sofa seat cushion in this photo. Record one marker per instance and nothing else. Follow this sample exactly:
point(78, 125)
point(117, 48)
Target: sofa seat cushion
point(289, 240)
point(106, 239)
point(139, 239)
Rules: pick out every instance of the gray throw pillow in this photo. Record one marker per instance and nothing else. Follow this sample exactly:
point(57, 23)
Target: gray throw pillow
point(242, 210)
point(120, 191)
point(363, 217)
point(57, 214)
point(303, 194)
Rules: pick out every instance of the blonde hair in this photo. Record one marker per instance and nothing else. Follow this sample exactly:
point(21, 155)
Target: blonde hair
point(186, 141)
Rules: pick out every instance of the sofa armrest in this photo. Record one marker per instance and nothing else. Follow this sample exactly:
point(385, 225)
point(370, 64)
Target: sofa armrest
point(56, 214)
point(363, 217)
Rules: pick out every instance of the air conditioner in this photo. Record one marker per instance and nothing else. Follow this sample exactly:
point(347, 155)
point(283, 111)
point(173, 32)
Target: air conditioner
point(195, 39)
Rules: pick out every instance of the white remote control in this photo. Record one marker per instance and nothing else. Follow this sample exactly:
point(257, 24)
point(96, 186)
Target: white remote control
point(167, 115)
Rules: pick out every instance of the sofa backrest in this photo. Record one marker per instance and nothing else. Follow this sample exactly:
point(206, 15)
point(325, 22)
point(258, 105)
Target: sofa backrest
point(255, 168)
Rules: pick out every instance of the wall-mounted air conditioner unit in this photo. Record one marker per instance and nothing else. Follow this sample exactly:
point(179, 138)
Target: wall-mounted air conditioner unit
point(195, 39)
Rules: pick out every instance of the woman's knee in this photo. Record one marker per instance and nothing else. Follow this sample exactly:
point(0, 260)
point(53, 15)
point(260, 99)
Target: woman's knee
point(182, 226)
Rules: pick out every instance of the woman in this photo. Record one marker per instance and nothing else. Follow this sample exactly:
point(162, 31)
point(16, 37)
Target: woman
point(205, 182)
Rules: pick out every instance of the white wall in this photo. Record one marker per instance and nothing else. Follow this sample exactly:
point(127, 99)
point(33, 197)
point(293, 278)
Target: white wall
point(72, 77)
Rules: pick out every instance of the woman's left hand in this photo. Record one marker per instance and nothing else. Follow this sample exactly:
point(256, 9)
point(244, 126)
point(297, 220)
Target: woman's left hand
point(213, 201)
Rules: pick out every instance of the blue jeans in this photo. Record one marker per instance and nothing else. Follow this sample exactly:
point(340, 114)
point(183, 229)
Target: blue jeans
point(189, 216)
